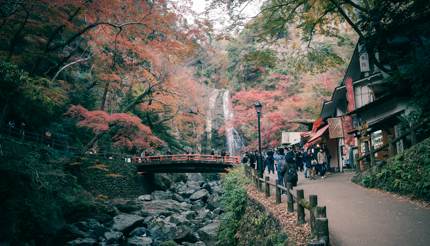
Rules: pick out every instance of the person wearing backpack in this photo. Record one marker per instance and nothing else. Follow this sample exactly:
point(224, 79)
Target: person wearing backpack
point(291, 172)
point(281, 166)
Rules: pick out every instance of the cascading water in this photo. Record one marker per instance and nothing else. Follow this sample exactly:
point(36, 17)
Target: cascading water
point(209, 118)
point(234, 140)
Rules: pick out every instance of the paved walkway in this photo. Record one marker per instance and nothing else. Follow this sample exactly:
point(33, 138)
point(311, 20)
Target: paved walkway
point(359, 216)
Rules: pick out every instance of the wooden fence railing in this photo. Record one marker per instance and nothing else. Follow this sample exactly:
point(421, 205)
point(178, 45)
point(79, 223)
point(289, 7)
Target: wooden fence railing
point(317, 214)
point(391, 144)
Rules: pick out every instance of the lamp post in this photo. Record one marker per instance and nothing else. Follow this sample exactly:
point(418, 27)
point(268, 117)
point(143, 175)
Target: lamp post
point(258, 108)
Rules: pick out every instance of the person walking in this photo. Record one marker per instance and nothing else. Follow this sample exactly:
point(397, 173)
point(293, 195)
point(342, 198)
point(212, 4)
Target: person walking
point(321, 158)
point(269, 162)
point(299, 159)
point(291, 172)
point(281, 166)
point(306, 159)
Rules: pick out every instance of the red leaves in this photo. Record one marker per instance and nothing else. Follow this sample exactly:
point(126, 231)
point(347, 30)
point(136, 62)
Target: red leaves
point(128, 129)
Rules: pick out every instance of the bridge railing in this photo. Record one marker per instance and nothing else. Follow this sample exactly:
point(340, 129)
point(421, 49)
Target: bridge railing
point(190, 157)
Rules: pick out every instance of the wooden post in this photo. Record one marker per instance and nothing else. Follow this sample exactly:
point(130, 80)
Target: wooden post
point(277, 193)
point(391, 146)
point(313, 202)
point(267, 186)
point(316, 243)
point(321, 212)
point(300, 208)
point(371, 154)
point(321, 225)
point(290, 202)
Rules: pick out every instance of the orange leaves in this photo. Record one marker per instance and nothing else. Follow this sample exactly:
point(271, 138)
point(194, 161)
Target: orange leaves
point(127, 129)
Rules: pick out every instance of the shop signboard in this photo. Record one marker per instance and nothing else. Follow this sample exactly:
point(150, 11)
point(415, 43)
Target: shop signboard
point(335, 128)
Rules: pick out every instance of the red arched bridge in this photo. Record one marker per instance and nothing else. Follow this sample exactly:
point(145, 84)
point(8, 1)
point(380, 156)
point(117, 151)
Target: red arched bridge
point(185, 163)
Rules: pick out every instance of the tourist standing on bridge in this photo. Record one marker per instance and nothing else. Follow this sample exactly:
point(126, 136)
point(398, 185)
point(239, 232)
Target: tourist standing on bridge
point(280, 164)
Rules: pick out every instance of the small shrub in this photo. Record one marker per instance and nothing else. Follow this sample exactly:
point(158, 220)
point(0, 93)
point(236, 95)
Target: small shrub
point(407, 173)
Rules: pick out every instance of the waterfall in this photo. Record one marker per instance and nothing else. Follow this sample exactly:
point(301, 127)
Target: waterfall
point(234, 140)
point(209, 117)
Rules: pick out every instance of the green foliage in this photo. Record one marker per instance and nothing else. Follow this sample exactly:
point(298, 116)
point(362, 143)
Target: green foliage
point(258, 228)
point(234, 202)
point(248, 64)
point(244, 222)
point(29, 99)
point(407, 173)
point(38, 196)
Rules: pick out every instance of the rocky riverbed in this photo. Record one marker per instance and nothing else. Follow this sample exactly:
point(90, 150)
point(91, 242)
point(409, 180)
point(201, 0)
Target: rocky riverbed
point(186, 213)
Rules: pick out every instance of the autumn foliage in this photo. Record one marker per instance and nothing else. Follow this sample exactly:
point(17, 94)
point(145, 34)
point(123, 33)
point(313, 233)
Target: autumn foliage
point(127, 130)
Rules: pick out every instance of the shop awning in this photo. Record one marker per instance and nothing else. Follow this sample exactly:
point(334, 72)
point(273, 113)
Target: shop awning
point(317, 135)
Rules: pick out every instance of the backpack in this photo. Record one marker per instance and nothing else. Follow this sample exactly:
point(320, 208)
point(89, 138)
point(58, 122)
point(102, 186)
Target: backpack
point(289, 157)
point(282, 166)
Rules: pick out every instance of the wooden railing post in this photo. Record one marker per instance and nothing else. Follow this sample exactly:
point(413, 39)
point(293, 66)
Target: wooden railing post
point(300, 208)
point(371, 155)
point(278, 193)
point(321, 225)
point(313, 202)
point(321, 212)
point(290, 202)
point(267, 186)
point(391, 146)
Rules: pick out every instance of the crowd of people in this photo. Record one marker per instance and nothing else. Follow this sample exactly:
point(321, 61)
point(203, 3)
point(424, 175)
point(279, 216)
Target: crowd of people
point(286, 162)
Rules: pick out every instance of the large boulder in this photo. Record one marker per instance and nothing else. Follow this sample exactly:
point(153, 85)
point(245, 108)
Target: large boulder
point(202, 194)
point(126, 222)
point(213, 202)
point(91, 226)
point(161, 195)
point(189, 214)
point(113, 237)
point(178, 219)
point(196, 177)
point(126, 206)
point(144, 198)
point(164, 181)
point(163, 207)
point(139, 241)
point(82, 242)
point(139, 231)
point(209, 233)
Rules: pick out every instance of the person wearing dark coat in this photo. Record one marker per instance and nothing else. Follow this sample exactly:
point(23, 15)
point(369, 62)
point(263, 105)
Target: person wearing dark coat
point(291, 172)
point(269, 162)
point(252, 160)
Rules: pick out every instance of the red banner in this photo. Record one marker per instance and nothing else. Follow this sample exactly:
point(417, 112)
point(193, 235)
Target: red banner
point(350, 94)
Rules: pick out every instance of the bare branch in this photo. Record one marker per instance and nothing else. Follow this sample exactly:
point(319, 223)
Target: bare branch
point(68, 65)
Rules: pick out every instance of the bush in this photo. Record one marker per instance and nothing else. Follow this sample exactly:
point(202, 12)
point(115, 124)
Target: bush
point(234, 201)
point(244, 221)
point(407, 173)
